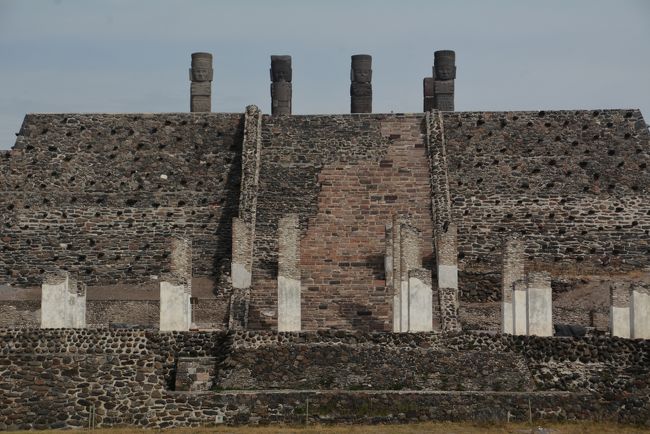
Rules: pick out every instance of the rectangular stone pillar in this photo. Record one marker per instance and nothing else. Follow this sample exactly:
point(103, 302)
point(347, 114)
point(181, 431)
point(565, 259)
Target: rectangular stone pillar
point(63, 301)
point(519, 308)
point(242, 254)
point(76, 304)
point(512, 271)
point(289, 305)
point(397, 283)
point(388, 257)
point(420, 301)
point(447, 262)
point(640, 312)
point(539, 304)
point(176, 288)
point(175, 307)
point(410, 259)
point(619, 313)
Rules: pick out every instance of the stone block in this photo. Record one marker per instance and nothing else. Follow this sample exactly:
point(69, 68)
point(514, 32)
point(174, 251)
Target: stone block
point(444, 65)
point(63, 302)
point(619, 321)
point(194, 374)
point(440, 87)
point(289, 303)
point(201, 88)
point(539, 304)
point(200, 103)
point(420, 317)
point(427, 87)
point(175, 307)
point(444, 102)
point(281, 96)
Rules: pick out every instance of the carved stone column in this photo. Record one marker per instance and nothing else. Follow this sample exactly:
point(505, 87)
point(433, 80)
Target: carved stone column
point(444, 74)
point(281, 85)
point(201, 77)
point(361, 87)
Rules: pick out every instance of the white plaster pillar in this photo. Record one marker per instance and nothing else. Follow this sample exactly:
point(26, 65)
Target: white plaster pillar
point(175, 308)
point(176, 288)
point(519, 308)
point(289, 305)
point(410, 260)
point(539, 304)
point(512, 271)
point(63, 301)
point(640, 312)
point(242, 254)
point(420, 301)
point(54, 298)
point(619, 313)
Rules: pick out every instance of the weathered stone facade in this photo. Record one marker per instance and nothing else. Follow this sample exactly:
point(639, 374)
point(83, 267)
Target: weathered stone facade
point(102, 195)
point(151, 379)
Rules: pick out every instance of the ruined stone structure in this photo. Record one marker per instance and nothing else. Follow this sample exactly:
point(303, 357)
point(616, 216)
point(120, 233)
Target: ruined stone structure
point(371, 242)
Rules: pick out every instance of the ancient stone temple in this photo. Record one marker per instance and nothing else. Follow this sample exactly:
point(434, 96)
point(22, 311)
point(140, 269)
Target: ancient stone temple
point(208, 249)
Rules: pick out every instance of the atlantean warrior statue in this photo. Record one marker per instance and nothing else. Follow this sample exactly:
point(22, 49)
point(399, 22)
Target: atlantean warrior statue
point(444, 74)
point(361, 87)
point(280, 85)
point(201, 78)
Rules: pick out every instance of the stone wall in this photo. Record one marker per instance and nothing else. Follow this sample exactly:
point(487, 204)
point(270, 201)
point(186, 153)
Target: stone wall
point(101, 195)
point(345, 176)
point(572, 182)
point(55, 378)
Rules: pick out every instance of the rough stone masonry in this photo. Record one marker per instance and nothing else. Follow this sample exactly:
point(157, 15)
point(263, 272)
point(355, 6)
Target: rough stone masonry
point(101, 195)
point(302, 243)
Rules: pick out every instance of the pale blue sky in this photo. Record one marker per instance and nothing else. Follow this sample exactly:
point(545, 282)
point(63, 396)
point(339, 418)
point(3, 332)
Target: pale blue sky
point(133, 56)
